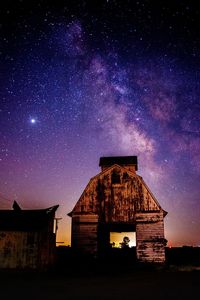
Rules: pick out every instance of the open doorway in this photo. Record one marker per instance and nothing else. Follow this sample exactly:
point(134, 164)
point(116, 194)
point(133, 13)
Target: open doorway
point(117, 243)
point(122, 239)
point(122, 251)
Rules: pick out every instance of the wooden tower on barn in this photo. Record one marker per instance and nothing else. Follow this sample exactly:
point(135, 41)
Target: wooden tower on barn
point(118, 200)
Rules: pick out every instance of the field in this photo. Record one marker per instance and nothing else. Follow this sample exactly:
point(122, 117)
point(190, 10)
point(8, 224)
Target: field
point(138, 285)
point(114, 277)
point(173, 282)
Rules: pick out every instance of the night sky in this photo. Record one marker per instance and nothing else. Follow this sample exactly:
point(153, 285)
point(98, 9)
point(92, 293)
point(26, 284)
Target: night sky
point(84, 79)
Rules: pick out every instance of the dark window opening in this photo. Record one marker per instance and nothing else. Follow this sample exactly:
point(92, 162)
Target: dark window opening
point(115, 178)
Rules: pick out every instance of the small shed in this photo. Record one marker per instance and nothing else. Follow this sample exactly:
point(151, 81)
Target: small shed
point(118, 200)
point(27, 238)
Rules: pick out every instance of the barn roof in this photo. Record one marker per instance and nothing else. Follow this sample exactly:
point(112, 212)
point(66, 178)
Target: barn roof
point(109, 170)
point(119, 160)
point(26, 220)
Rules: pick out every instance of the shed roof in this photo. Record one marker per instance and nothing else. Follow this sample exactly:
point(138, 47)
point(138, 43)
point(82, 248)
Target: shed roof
point(26, 220)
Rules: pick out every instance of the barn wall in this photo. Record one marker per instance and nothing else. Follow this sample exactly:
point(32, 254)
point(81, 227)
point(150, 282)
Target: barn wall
point(150, 242)
point(47, 249)
point(84, 233)
point(115, 202)
point(21, 250)
point(18, 250)
point(117, 196)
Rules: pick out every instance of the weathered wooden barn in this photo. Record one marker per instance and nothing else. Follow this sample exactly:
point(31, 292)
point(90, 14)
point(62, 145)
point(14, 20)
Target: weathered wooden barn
point(27, 238)
point(118, 200)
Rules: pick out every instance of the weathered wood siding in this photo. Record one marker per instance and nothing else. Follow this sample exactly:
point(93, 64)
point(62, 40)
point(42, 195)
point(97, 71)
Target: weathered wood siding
point(21, 250)
point(84, 233)
point(17, 249)
point(119, 196)
point(115, 201)
point(150, 237)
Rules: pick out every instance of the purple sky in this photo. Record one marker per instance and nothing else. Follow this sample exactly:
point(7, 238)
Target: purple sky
point(81, 81)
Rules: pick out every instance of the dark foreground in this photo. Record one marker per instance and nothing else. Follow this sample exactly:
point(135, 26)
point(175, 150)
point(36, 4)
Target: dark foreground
point(168, 283)
point(116, 276)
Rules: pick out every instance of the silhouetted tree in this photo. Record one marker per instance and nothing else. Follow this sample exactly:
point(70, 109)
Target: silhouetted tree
point(112, 245)
point(125, 242)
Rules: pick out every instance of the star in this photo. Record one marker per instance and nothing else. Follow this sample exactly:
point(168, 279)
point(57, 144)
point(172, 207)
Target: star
point(106, 83)
point(33, 121)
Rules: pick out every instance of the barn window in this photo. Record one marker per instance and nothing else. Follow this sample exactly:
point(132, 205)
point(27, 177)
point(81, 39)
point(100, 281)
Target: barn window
point(115, 178)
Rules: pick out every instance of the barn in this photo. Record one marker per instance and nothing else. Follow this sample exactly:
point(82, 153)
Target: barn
point(27, 238)
point(118, 200)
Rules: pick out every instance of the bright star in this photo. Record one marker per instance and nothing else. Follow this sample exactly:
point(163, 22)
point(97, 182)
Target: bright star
point(33, 121)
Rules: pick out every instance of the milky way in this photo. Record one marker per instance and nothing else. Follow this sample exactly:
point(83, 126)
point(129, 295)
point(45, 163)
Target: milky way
point(82, 81)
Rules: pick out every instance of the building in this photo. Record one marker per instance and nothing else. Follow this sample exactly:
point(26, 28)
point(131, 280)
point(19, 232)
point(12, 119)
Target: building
point(118, 200)
point(27, 238)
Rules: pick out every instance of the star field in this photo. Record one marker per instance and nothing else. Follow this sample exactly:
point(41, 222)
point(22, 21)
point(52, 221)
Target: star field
point(82, 80)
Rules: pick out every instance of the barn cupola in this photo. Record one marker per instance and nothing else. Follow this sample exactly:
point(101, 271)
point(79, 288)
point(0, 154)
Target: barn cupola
point(129, 162)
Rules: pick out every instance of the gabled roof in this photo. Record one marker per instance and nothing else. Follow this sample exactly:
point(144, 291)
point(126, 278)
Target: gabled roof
point(131, 174)
point(90, 181)
point(113, 167)
point(26, 220)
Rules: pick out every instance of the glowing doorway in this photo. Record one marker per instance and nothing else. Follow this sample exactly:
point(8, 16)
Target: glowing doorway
point(116, 239)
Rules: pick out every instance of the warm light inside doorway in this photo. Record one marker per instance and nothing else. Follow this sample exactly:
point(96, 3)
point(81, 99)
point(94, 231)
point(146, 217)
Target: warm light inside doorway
point(117, 237)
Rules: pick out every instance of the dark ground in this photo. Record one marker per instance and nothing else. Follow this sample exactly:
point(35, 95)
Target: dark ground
point(107, 278)
point(137, 285)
